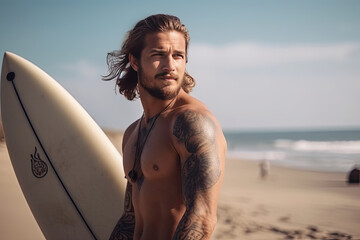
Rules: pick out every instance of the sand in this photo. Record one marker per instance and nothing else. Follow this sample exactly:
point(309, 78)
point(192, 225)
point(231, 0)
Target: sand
point(287, 204)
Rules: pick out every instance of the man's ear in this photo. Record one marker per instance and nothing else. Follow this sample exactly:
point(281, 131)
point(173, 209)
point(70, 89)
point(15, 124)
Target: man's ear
point(133, 62)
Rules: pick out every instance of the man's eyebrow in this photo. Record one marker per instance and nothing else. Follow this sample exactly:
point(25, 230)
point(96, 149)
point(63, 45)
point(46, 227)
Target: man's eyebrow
point(179, 52)
point(157, 50)
point(160, 50)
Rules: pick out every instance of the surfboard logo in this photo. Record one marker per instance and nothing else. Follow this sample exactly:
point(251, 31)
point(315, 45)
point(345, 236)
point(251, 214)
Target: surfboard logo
point(38, 166)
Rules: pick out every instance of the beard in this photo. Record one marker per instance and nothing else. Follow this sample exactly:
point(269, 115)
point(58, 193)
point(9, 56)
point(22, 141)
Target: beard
point(156, 91)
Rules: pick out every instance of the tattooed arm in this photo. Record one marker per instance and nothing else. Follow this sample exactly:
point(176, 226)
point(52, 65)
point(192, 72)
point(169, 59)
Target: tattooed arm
point(201, 147)
point(124, 229)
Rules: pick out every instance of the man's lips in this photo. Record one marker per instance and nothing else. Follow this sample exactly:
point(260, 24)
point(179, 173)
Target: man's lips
point(166, 76)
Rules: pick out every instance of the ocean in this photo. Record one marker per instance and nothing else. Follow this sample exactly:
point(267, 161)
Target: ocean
point(318, 150)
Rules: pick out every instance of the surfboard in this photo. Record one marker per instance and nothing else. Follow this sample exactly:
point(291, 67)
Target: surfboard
point(69, 172)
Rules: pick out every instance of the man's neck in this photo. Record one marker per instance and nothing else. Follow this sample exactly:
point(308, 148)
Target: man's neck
point(153, 106)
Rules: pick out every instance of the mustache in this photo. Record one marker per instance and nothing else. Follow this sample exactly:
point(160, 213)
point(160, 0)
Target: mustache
point(166, 74)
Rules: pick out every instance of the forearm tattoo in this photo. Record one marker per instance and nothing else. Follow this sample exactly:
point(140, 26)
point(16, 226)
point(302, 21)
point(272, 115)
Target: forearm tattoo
point(124, 229)
point(201, 169)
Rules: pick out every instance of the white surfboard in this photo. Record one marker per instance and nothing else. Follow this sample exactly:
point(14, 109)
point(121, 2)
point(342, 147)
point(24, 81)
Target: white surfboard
point(69, 171)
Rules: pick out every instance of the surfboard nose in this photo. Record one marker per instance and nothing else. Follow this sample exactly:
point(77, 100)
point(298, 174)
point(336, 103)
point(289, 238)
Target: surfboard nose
point(12, 58)
point(8, 61)
point(8, 55)
point(7, 72)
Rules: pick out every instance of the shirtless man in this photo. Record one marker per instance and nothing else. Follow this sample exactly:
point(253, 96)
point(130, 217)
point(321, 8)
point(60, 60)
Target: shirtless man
point(174, 155)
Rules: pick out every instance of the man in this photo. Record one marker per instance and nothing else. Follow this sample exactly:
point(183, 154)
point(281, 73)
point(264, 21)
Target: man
point(174, 155)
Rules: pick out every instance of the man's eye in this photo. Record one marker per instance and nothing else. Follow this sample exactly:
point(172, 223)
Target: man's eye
point(179, 56)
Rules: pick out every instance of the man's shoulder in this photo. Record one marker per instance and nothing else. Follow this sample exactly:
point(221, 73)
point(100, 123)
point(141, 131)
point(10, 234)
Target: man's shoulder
point(194, 118)
point(190, 104)
point(193, 109)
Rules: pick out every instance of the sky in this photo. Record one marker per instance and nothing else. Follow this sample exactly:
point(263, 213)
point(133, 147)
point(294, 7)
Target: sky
point(259, 65)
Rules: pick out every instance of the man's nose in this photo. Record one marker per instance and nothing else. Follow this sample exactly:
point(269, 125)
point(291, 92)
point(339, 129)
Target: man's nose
point(169, 64)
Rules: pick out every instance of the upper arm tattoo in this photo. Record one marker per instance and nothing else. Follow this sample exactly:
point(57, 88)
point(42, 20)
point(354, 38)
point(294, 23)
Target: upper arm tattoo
point(124, 229)
point(201, 168)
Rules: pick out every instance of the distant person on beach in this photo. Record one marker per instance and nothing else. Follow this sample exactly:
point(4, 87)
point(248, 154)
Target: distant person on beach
point(264, 168)
point(174, 155)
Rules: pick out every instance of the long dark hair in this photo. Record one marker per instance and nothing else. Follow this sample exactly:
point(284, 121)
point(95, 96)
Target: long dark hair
point(118, 60)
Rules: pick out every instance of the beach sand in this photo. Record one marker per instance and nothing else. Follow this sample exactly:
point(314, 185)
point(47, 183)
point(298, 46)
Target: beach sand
point(287, 204)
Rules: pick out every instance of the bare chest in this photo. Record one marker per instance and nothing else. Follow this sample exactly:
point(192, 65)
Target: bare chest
point(157, 158)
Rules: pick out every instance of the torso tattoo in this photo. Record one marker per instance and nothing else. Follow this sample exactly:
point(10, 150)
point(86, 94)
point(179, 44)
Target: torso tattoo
point(124, 229)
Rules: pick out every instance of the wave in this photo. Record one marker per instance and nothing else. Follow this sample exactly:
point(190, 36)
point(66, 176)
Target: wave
point(342, 147)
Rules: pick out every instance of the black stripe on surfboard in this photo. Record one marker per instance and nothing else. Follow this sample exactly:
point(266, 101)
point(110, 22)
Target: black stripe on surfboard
point(10, 77)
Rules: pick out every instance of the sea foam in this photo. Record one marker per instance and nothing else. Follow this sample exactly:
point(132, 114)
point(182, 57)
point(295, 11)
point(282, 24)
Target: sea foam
point(343, 147)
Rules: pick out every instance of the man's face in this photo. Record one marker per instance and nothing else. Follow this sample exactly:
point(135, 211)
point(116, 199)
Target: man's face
point(162, 64)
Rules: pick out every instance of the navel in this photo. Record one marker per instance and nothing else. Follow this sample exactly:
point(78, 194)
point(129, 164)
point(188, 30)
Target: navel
point(155, 167)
